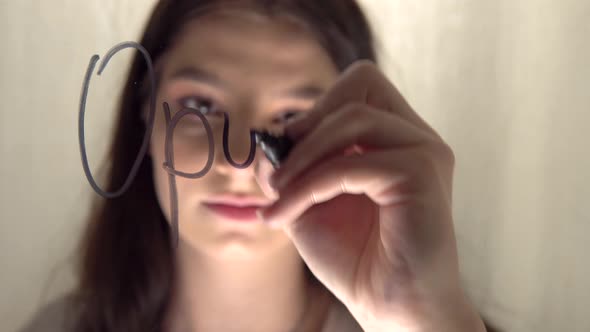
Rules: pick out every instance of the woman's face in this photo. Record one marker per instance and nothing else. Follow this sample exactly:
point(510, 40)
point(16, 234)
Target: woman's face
point(259, 71)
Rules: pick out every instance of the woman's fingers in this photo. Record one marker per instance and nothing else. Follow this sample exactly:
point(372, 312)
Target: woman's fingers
point(355, 124)
point(386, 176)
point(263, 170)
point(362, 82)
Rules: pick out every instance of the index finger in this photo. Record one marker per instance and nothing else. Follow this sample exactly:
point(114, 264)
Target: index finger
point(361, 82)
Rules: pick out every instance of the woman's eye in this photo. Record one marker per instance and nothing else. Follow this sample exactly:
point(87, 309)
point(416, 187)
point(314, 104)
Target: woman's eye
point(287, 116)
point(204, 105)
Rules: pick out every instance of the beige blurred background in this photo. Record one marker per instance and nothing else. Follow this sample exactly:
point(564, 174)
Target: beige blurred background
point(506, 83)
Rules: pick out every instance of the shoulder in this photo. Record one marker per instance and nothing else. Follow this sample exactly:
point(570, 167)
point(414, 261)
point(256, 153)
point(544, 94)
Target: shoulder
point(52, 317)
point(340, 320)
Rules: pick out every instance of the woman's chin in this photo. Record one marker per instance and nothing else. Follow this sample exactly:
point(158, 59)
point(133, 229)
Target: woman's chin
point(223, 238)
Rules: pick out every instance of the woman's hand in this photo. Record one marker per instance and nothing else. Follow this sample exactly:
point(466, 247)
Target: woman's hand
point(366, 197)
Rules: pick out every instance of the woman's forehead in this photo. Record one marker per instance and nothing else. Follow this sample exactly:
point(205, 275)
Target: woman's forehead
point(237, 46)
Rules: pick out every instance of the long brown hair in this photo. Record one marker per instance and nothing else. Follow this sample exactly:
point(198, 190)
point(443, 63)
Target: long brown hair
point(126, 266)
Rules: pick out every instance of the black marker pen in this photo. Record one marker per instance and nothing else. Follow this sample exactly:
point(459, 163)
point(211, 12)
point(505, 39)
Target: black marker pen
point(276, 148)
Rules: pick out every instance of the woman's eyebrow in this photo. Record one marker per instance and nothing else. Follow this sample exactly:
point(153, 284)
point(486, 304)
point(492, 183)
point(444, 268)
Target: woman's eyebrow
point(308, 91)
point(200, 75)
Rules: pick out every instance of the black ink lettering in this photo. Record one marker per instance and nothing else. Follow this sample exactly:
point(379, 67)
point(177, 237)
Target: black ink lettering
point(148, 133)
point(252, 153)
point(169, 163)
point(171, 123)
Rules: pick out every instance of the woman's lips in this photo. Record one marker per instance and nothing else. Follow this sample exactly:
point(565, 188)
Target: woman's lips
point(237, 213)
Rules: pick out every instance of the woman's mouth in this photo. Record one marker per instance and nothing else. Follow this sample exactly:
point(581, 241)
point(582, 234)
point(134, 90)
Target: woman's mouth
point(236, 213)
point(237, 207)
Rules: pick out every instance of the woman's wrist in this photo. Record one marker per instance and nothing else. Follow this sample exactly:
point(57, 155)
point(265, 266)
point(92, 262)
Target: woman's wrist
point(454, 316)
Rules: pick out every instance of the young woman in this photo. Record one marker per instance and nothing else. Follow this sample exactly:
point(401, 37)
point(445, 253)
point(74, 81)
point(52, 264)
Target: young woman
point(355, 230)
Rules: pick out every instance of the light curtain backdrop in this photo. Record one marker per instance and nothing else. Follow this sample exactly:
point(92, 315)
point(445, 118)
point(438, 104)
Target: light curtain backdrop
point(505, 82)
